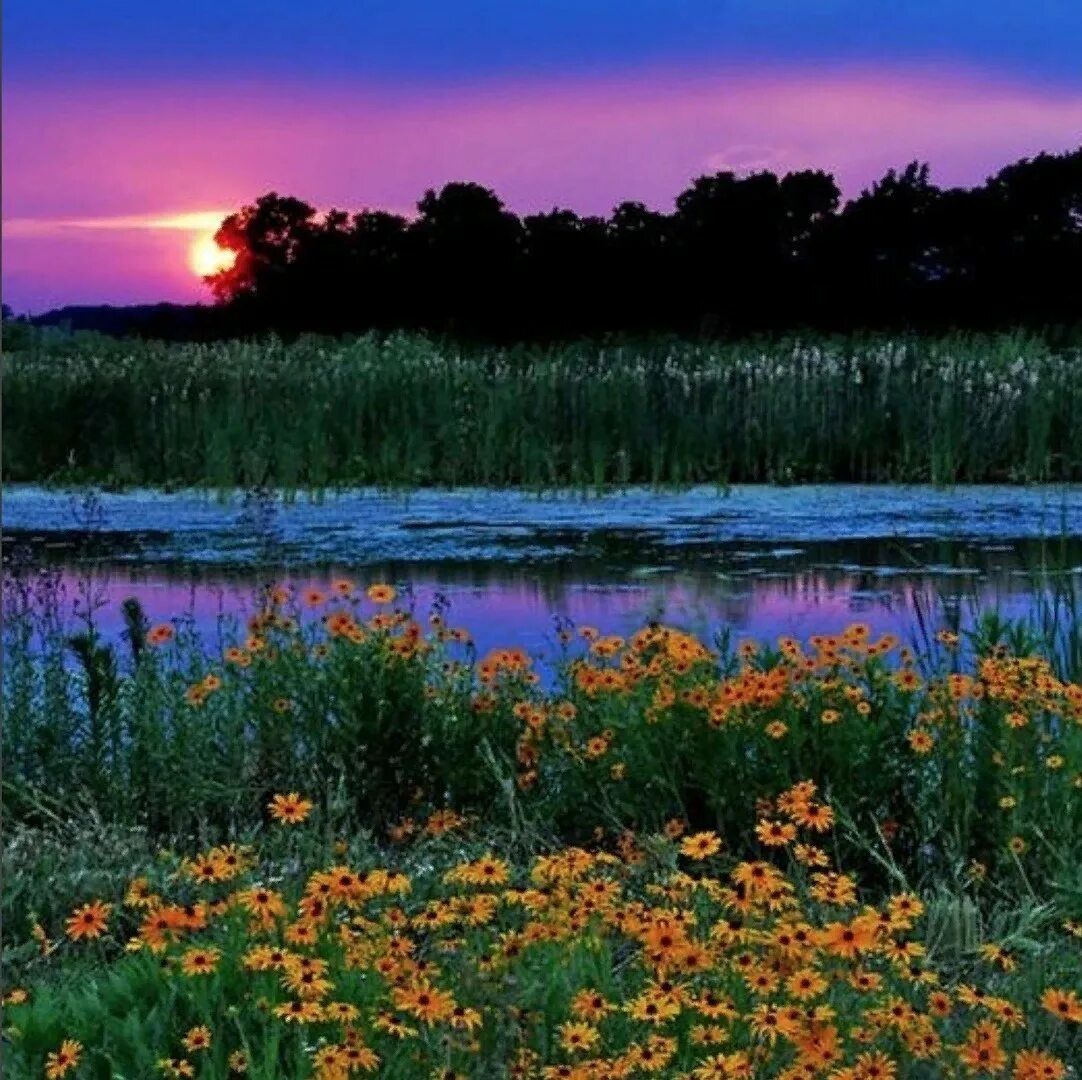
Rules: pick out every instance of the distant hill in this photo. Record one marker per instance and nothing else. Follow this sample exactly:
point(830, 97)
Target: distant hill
point(184, 321)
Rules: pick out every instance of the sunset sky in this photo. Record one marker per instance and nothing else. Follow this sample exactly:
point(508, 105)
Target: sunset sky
point(130, 128)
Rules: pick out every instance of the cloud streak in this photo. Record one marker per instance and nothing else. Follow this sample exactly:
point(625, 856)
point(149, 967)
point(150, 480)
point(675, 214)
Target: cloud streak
point(195, 221)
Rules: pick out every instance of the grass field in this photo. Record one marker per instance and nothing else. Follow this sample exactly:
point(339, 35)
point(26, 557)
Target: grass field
point(407, 411)
point(346, 844)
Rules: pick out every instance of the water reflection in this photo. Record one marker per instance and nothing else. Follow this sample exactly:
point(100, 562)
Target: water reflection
point(764, 597)
point(757, 562)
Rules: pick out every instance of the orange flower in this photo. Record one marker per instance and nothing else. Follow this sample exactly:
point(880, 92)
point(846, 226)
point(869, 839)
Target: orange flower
point(89, 921)
point(701, 846)
point(775, 833)
point(61, 1062)
point(200, 961)
point(1063, 1003)
point(1037, 1065)
point(198, 1038)
point(424, 1002)
point(381, 594)
point(815, 816)
point(907, 679)
point(265, 904)
point(289, 809)
point(920, 741)
point(160, 634)
point(847, 939)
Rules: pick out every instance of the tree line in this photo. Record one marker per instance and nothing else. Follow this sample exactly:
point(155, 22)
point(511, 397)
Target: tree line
point(737, 253)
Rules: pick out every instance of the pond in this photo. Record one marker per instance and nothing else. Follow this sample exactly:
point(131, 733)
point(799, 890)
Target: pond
point(755, 561)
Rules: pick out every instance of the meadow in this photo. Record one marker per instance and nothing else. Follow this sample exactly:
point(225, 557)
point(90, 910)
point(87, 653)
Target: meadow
point(408, 411)
point(345, 843)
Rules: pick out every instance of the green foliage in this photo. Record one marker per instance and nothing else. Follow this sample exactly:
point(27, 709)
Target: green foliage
point(375, 718)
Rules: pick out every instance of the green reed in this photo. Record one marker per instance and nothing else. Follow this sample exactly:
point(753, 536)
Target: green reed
point(406, 411)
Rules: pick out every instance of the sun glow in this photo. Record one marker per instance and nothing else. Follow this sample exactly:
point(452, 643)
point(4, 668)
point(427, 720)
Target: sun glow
point(205, 257)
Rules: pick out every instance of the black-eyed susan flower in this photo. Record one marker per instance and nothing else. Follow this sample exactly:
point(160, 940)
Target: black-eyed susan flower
point(701, 845)
point(176, 1067)
point(1063, 1004)
point(299, 1012)
point(578, 1038)
point(921, 741)
point(201, 960)
point(381, 594)
point(89, 921)
point(197, 1038)
point(61, 1061)
point(775, 833)
point(289, 809)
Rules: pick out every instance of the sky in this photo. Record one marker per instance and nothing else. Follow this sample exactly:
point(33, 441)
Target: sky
point(131, 128)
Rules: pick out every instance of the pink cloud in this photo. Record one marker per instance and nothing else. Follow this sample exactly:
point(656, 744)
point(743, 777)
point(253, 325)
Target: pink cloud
point(92, 151)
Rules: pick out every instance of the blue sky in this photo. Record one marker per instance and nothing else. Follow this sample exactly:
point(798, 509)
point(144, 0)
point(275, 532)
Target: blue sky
point(436, 41)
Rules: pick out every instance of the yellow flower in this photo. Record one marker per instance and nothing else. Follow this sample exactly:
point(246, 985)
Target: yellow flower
point(61, 1062)
point(578, 1037)
point(289, 809)
point(198, 1038)
point(907, 679)
point(176, 1067)
point(1064, 1004)
point(300, 1012)
point(701, 845)
point(200, 961)
point(920, 741)
point(775, 833)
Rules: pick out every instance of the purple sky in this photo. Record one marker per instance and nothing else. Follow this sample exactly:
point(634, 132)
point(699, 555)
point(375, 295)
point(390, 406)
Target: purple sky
point(128, 128)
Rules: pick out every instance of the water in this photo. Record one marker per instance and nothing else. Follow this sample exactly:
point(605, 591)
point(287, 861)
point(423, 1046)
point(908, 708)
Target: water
point(756, 562)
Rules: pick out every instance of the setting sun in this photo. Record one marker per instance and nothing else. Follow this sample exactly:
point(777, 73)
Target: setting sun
point(205, 257)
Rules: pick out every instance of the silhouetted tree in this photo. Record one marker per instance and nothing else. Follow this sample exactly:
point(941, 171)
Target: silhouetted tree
point(879, 253)
point(737, 253)
point(1033, 216)
point(380, 283)
point(268, 238)
point(641, 262)
point(467, 249)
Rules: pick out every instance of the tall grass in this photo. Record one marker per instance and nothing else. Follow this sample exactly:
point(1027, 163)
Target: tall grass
point(405, 410)
point(1052, 626)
